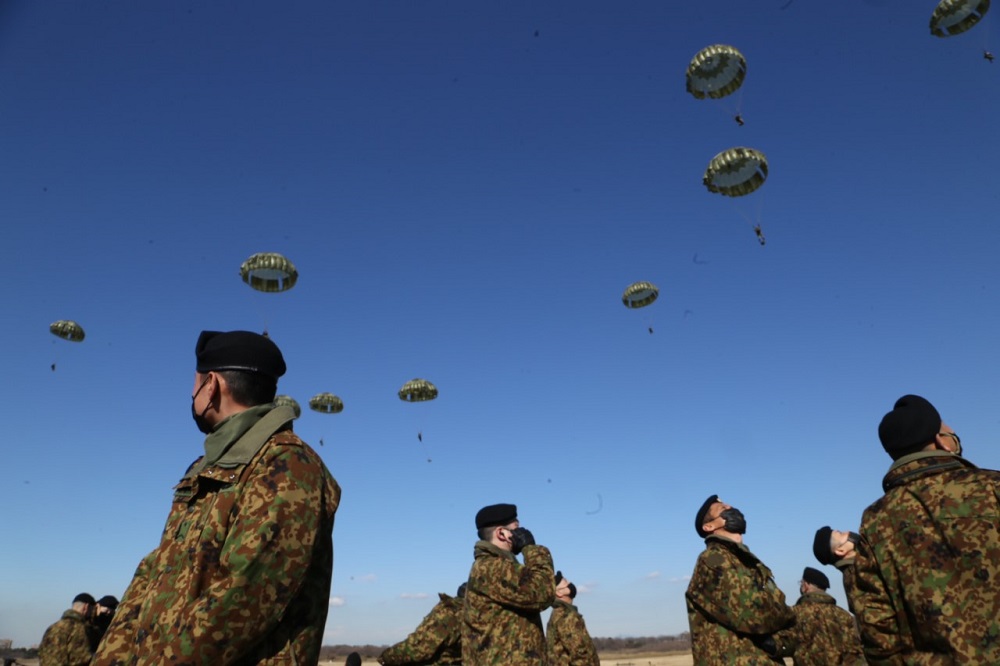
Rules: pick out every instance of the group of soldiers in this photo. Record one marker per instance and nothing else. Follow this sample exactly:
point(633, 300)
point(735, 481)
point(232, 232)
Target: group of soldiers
point(72, 640)
point(920, 576)
point(495, 616)
point(243, 569)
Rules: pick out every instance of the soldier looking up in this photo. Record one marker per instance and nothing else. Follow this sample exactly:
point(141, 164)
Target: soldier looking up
point(734, 608)
point(502, 622)
point(929, 557)
point(569, 642)
point(242, 573)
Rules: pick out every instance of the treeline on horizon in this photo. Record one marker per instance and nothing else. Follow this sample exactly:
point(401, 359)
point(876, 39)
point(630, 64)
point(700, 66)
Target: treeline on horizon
point(679, 643)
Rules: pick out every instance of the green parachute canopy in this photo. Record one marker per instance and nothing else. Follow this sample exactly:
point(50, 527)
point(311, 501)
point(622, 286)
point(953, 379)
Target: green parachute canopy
point(640, 294)
point(288, 401)
point(716, 71)
point(67, 330)
point(269, 272)
point(952, 17)
point(327, 403)
point(418, 390)
point(736, 172)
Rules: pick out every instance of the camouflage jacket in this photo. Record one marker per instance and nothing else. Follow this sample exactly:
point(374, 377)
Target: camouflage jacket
point(242, 573)
point(826, 635)
point(846, 567)
point(928, 565)
point(502, 622)
point(569, 643)
point(436, 640)
point(734, 608)
point(66, 643)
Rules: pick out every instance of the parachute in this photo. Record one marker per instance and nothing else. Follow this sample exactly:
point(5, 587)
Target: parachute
point(418, 390)
point(716, 71)
point(327, 403)
point(288, 401)
point(640, 294)
point(67, 330)
point(736, 172)
point(269, 272)
point(953, 17)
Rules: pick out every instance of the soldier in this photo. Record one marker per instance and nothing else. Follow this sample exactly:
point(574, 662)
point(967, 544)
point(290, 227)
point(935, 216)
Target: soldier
point(569, 643)
point(104, 611)
point(242, 573)
point(929, 557)
point(66, 643)
point(839, 549)
point(353, 659)
point(502, 622)
point(436, 640)
point(734, 608)
point(824, 633)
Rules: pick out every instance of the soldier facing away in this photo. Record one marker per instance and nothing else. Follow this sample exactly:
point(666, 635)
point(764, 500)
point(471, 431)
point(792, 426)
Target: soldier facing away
point(569, 642)
point(243, 570)
point(67, 643)
point(436, 640)
point(502, 622)
point(929, 559)
point(734, 609)
point(824, 632)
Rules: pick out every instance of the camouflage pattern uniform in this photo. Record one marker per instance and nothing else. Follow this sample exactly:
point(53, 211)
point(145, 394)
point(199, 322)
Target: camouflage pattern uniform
point(569, 643)
point(928, 565)
point(436, 640)
point(65, 643)
point(242, 573)
point(846, 567)
point(502, 623)
point(733, 606)
point(826, 635)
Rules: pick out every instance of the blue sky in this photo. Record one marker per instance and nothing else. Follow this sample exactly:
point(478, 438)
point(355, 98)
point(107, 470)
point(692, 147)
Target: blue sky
point(466, 189)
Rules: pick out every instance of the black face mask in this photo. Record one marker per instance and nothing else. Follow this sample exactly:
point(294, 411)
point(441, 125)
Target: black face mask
point(735, 522)
point(854, 538)
point(199, 419)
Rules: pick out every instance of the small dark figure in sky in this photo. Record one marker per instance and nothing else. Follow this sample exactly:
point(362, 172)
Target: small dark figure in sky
point(53, 367)
point(650, 330)
point(988, 55)
point(420, 436)
point(739, 120)
point(760, 234)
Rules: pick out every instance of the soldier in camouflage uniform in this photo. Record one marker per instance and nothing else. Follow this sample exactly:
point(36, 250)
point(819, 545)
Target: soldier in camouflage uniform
point(67, 643)
point(928, 565)
point(436, 640)
point(502, 622)
point(825, 634)
point(839, 549)
point(569, 643)
point(735, 610)
point(242, 573)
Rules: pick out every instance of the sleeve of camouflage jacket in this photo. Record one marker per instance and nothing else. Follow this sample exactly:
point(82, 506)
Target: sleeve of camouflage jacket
point(744, 600)
point(528, 587)
point(422, 644)
point(576, 641)
point(266, 554)
point(877, 619)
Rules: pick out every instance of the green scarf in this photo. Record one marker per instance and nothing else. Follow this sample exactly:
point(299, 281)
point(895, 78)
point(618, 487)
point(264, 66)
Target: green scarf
point(229, 431)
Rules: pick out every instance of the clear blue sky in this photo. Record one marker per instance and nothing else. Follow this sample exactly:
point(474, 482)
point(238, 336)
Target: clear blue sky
point(466, 189)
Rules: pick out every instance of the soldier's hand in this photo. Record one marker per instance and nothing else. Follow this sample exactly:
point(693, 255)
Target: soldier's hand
point(519, 538)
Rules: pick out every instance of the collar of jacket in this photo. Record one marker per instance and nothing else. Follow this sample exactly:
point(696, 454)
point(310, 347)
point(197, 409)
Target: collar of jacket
point(921, 464)
point(73, 615)
point(485, 549)
point(816, 598)
point(564, 604)
point(738, 549)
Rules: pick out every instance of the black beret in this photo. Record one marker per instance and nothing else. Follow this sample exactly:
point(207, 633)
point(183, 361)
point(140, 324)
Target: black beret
point(83, 598)
point(108, 601)
point(821, 545)
point(461, 590)
point(238, 350)
point(816, 577)
point(496, 514)
point(912, 424)
point(699, 518)
point(353, 659)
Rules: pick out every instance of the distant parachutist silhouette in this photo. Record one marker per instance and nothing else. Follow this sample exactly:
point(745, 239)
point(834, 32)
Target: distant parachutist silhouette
point(988, 56)
point(53, 367)
point(739, 120)
point(760, 235)
point(650, 330)
point(321, 441)
point(420, 436)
